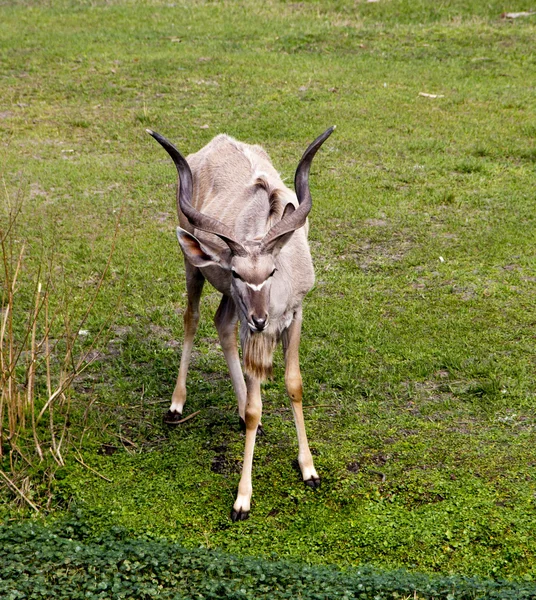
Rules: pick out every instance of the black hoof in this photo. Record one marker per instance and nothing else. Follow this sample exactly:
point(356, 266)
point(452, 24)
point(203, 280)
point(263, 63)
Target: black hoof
point(172, 417)
point(239, 515)
point(242, 425)
point(313, 483)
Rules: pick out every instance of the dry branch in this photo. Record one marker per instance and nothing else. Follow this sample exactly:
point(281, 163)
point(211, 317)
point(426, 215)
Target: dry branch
point(79, 460)
point(12, 485)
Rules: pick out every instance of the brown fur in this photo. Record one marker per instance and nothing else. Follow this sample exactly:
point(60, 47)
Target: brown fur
point(258, 351)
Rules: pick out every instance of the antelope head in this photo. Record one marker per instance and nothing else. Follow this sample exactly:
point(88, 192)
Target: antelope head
point(251, 263)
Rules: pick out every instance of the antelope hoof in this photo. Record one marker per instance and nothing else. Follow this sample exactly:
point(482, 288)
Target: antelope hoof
point(239, 515)
point(242, 425)
point(313, 482)
point(172, 417)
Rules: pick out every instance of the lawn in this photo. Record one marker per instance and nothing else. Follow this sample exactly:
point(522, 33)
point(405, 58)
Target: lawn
point(417, 350)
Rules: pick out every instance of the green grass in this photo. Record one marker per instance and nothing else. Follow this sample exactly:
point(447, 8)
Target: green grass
point(417, 351)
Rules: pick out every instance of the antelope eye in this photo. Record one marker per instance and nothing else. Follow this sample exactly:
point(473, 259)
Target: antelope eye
point(236, 275)
point(272, 273)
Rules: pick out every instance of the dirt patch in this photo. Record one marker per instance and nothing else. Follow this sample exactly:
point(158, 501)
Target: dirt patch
point(369, 462)
point(372, 256)
point(121, 331)
point(375, 222)
point(353, 467)
point(162, 217)
point(412, 497)
point(223, 464)
point(108, 449)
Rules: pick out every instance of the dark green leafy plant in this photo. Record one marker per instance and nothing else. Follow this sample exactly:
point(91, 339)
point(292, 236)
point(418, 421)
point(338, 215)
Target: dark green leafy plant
point(61, 562)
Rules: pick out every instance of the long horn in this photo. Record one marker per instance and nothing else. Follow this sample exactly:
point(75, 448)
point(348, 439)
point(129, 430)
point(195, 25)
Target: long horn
point(184, 198)
point(297, 219)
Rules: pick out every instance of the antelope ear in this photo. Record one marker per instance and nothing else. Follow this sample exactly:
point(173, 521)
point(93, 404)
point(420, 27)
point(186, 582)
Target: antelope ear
point(278, 242)
point(201, 254)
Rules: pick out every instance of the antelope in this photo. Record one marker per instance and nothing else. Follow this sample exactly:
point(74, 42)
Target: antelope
point(245, 232)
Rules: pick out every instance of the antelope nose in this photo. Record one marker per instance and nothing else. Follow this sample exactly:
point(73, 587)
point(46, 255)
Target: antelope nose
point(260, 324)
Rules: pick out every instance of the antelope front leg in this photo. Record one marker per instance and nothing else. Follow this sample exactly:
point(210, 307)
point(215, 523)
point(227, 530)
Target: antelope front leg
point(293, 382)
point(242, 503)
point(194, 287)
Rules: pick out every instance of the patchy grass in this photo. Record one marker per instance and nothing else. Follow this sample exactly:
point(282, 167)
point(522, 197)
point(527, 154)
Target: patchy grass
point(417, 351)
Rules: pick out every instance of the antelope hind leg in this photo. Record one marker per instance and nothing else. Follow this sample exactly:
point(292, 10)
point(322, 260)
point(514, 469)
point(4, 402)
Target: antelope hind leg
point(226, 320)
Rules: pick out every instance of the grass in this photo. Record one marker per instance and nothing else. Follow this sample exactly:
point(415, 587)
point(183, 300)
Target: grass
point(417, 352)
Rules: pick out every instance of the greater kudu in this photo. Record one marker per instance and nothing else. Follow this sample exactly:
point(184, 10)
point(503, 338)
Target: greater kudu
point(246, 232)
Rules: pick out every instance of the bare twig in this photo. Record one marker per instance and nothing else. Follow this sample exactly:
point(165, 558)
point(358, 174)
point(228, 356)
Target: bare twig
point(125, 439)
point(382, 475)
point(187, 418)
point(306, 406)
point(79, 460)
point(27, 353)
point(31, 372)
point(60, 463)
point(65, 382)
point(19, 491)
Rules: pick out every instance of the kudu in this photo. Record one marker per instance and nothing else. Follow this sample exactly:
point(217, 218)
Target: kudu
point(251, 244)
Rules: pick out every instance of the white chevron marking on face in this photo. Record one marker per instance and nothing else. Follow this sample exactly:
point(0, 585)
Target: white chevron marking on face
point(257, 288)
